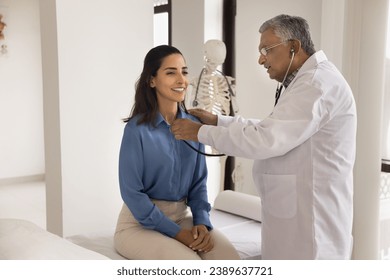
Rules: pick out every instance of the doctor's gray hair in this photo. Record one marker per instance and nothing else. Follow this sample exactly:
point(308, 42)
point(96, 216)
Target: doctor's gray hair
point(291, 27)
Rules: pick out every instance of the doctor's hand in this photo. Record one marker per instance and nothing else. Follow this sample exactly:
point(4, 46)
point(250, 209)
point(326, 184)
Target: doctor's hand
point(204, 116)
point(185, 129)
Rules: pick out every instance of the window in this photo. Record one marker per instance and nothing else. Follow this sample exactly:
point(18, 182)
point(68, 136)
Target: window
point(162, 22)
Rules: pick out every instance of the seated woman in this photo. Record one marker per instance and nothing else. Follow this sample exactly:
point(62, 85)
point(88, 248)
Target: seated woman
point(165, 214)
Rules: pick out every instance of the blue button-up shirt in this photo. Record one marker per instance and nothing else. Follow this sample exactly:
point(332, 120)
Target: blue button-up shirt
point(154, 165)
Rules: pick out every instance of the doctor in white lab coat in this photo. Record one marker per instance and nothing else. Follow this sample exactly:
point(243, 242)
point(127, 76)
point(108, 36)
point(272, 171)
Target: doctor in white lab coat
point(303, 152)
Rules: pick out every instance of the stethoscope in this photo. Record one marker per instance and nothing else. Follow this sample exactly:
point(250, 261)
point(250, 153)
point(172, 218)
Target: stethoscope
point(202, 153)
point(279, 87)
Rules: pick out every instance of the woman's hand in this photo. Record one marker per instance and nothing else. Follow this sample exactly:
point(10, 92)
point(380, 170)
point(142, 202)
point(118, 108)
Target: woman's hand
point(203, 241)
point(185, 236)
point(198, 238)
point(204, 116)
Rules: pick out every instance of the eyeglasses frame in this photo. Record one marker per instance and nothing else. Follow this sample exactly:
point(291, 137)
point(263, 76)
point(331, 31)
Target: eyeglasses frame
point(264, 50)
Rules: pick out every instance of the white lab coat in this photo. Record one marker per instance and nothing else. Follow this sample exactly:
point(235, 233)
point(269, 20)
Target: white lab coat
point(304, 154)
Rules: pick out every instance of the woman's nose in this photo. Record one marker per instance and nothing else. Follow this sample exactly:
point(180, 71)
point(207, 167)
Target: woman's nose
point(181, 79)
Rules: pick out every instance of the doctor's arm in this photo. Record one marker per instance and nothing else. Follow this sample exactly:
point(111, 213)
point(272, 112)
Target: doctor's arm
point(296, 118)
point(186, 129)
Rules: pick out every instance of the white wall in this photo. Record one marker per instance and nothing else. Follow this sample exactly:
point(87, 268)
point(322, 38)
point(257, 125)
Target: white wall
point(255, 91)
point(188, 19)
point(21, 115)
point(93, 54)
point(332, 30)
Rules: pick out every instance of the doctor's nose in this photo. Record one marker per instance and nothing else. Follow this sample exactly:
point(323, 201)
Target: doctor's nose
point(262, 59)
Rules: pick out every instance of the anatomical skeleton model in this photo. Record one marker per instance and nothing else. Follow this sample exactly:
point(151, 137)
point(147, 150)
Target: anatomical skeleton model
point(213, 90)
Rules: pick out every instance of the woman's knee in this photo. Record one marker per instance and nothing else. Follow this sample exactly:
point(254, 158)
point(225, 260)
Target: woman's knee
point(223, 248)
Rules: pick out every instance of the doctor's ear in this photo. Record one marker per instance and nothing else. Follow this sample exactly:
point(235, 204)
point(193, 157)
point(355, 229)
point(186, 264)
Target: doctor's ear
point(295, 47)
point(292, 52)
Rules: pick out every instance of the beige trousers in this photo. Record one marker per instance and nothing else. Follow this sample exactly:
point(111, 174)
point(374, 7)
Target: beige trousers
point(135, 242)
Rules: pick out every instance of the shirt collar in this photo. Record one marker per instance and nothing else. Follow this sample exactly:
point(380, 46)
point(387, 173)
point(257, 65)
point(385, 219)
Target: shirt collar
point(290, 78)
point(311, 62)
point(180, 115)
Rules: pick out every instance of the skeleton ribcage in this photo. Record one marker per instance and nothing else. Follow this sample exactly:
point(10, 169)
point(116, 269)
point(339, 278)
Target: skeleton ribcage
point(213, 94)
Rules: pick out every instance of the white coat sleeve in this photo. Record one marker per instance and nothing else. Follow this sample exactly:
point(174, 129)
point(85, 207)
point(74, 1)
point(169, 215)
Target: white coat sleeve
point(296, 118)
point(227, 120)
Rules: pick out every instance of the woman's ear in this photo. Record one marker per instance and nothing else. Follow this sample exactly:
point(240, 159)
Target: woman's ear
point(151, 83)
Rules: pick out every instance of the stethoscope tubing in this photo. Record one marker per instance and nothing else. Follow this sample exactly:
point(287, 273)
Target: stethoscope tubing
point(203, 153)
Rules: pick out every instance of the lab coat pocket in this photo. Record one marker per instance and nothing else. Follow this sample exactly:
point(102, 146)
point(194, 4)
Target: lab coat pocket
point(280, 195)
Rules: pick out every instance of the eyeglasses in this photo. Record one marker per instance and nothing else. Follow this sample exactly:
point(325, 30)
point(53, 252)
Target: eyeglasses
point(264, 51)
